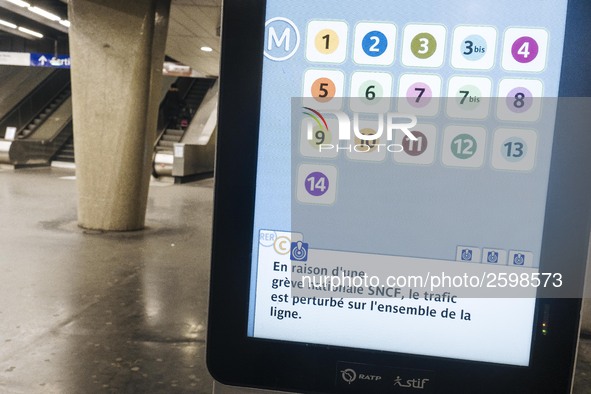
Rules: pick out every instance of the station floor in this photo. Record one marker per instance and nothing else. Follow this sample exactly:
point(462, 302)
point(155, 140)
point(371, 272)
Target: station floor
point(91, 312)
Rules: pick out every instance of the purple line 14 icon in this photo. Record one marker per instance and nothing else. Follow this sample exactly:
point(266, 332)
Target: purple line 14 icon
point(316, 184)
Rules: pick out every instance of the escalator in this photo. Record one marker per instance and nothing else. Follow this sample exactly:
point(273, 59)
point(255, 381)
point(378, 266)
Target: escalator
point(42, 123)
point(66, 152)
point(16, 83)
point(193, 91)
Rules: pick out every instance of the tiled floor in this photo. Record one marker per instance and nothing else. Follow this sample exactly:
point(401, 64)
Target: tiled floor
point(86, 312)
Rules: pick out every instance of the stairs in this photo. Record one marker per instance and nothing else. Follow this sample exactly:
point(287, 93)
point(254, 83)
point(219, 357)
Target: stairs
point(169, 137)
point(66, 153)
point(31, 127)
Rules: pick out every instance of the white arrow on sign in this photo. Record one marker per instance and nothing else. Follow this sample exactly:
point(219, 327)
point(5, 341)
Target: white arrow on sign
point(43, 60)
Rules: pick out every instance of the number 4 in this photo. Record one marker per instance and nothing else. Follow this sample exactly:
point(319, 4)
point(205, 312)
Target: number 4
point(524, 50)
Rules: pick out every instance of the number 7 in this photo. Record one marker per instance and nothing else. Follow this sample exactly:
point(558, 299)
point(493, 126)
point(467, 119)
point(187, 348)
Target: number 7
point(422, 91)
point(465, 93)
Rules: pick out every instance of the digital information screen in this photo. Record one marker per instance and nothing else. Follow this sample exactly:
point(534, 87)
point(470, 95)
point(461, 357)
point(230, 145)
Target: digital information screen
point(402, 175)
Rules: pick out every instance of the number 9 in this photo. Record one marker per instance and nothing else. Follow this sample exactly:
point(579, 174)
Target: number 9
point(320, 136)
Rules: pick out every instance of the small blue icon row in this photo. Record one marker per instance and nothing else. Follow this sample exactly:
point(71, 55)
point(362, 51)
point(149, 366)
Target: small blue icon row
point(471, 254)
point(299, 251)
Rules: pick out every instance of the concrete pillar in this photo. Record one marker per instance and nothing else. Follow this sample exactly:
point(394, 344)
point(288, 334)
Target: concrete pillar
point(117, 50)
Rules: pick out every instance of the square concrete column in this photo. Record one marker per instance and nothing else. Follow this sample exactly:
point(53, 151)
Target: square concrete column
point(117, 50)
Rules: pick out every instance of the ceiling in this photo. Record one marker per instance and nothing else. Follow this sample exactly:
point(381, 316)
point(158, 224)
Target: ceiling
point(193, 24)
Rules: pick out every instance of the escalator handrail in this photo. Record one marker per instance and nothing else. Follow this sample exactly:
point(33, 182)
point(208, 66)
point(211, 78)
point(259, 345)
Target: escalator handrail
point(52, 86)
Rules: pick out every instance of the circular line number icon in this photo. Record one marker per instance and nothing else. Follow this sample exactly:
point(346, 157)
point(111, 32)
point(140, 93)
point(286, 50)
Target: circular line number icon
point(327, 41)
point(316, 183)
point(468, 97)
point(474, 47)
point(374, 43)
point(419, 94)
point(513, 149)
point(423, 45)
point(372, 91)
point(519, 99)
point(323, 89)
point(368, 144)
point(525, 49)
point(463, 146)
point(415, 148)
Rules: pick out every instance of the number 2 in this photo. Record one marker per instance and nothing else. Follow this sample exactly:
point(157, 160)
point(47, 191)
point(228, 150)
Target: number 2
point(374, 46)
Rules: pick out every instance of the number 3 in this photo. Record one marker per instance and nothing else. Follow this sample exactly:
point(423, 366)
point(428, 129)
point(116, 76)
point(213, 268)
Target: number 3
point(424, 46)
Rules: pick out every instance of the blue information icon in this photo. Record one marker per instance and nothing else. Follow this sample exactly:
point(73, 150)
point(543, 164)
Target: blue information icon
point(492, 257)
point(374, 43)
point(299, 251)
point(518, 259)
point(466, 255)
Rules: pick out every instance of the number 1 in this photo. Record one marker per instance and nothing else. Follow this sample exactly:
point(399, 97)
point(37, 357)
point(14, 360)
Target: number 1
point(326, 38)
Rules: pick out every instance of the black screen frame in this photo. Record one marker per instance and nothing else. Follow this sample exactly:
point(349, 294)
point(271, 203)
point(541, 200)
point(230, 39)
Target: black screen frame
point(234, 358)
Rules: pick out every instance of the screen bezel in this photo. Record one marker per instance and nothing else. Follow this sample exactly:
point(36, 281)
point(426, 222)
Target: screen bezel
point(236, 359)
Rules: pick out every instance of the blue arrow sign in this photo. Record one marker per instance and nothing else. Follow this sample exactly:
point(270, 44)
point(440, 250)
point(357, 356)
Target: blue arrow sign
point(48, 60)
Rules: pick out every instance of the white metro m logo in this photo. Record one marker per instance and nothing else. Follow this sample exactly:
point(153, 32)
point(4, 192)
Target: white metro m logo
point(282, 39)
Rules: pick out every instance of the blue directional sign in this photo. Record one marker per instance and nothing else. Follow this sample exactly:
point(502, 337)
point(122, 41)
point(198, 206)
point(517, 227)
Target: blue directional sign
point(49, 60)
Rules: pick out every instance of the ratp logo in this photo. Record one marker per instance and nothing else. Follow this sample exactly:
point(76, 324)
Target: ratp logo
point(349, 375)
point(282, 39)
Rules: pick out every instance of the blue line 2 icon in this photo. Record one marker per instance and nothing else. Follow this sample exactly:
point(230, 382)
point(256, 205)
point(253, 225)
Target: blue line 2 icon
point(299, 251)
